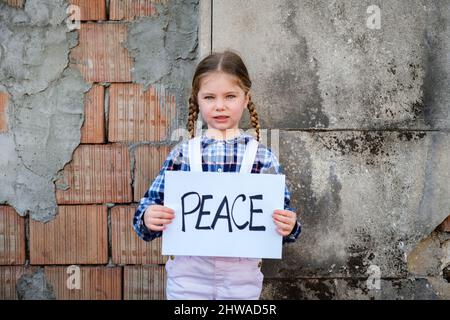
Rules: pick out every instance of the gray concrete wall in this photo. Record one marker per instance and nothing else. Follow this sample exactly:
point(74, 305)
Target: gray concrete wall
point(363, 120)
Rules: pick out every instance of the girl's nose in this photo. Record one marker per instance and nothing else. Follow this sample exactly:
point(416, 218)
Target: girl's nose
point(220, 104)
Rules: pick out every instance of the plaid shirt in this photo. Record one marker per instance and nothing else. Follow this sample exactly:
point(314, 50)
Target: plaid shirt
point(217, 156)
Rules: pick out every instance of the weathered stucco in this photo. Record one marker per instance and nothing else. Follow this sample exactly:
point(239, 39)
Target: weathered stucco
point(45, 110)
point(164, 49)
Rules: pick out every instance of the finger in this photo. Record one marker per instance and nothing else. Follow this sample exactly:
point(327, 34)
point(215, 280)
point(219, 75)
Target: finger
point(156, 228)
point(281, 221)
point(285, 213)
point(163, 214)
point(281, 232)
point(282, 225)
point(287, 228)
point(166, 209)
point(159, 208)
point(282, 218)
point(158, 221)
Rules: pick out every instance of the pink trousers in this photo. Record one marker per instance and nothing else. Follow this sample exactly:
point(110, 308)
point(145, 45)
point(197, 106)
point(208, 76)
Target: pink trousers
point(213, 278)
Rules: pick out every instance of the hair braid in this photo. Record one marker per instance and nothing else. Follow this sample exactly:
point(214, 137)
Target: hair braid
point(193, 115)
point(254, 117)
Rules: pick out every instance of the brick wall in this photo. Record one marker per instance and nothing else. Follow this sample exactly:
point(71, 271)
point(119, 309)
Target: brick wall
point(3, 112)
point(122, 148)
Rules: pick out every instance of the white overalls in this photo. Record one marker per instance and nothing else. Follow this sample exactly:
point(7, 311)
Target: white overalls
point(215, 278)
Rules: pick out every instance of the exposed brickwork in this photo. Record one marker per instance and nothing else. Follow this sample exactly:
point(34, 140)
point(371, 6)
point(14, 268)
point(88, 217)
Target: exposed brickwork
point(8, 279)
point(93, 130)
point(15, 3)
point(4, 98)
point(97, 174)
point(12, 237)
point(149, 160)
point(144, 283)
point(91, 9)
point(132, 9)
point(114, 263)
point(95, 283)
point(127, 247)
point(78, 235)
point(100, 54)
point(135, 115)
point(445, 225)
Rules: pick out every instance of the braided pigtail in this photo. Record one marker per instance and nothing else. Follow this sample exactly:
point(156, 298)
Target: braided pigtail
point(193, 115)
point(254, 117)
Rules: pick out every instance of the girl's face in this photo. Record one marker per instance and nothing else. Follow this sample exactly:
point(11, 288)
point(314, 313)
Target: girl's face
point(221, 102)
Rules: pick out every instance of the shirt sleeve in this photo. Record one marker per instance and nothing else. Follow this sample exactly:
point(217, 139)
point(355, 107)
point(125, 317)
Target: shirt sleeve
point(273, 166)
point(155, 195)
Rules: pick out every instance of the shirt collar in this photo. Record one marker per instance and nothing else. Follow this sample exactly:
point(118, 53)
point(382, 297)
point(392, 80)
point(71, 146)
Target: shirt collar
point(241, 137)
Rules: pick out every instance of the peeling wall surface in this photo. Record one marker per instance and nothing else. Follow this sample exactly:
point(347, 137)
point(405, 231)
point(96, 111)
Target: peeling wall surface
point(45, 109)
point(354, 99)
point(363, 116)
point(164, 49)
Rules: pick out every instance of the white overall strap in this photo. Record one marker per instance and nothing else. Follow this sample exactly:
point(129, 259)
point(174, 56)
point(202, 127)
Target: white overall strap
point(195, 155)
point(249, 156)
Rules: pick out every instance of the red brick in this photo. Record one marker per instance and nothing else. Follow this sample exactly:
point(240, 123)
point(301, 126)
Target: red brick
point(3, 111)
point(144, 283)
point(8, 280)
point(91, 9)
point(12, 236)
point(93, 130)
point(127, 247)
point(132, 9)
point(149, 160)
point(135, 115)
point(445, 225)
point(96, 174)
point(96, 283)
point(16, 3)
point(101, 55)
point(78, 235)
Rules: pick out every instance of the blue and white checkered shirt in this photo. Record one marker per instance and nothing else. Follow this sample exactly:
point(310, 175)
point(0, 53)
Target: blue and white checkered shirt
point(217, 156)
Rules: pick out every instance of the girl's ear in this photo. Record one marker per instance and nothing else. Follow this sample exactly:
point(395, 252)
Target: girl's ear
point(247, 98)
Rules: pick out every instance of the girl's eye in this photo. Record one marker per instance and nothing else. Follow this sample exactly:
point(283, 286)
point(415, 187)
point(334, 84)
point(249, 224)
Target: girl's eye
point(229, 96)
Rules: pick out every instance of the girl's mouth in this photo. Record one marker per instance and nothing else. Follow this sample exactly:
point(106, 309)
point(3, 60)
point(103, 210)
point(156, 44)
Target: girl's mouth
point(221, 118)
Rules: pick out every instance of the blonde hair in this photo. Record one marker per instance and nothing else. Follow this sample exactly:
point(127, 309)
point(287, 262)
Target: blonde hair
point(230, 63)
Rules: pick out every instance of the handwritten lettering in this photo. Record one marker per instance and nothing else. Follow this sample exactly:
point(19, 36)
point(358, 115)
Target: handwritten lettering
point(223, 212)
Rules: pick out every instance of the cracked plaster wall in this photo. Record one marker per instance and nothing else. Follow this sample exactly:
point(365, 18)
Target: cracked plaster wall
point(164, 50)
point(45, 109)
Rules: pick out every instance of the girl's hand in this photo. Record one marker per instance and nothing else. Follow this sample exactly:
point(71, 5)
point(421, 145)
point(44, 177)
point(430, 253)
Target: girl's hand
point(285, 221)
point(156, 217)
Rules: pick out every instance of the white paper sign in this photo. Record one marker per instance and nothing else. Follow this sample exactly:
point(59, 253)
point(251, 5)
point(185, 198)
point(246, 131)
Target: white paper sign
point(223, 214)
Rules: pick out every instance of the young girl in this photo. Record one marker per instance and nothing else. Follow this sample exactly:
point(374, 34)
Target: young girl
point(220, 92)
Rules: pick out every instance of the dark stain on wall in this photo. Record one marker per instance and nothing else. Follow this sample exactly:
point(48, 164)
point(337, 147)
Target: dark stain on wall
point(365, 143)
point(356, 284)
point(294, 85)
point(320, 289)
point(437, 80)
point(371, 145)
point(360, 252)
point(302, 289)
point(411, 135)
